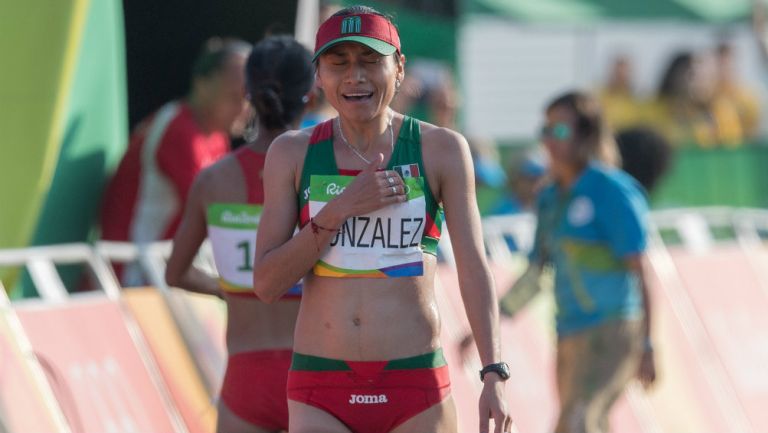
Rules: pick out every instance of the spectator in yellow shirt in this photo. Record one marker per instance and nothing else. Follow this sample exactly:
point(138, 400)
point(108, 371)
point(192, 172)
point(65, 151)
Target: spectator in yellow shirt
point(621, 106)
point(687, 109)
point(728, 87)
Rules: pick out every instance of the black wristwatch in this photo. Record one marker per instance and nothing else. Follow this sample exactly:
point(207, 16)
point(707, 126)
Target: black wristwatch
point(500, 368)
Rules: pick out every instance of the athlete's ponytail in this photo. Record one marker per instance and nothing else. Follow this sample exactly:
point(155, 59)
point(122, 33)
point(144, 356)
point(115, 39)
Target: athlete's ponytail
point(279, 74)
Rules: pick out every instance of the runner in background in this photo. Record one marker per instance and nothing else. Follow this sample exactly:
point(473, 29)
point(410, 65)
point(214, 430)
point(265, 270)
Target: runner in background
point(368, 190)
point(145, 198)
point(225, 203)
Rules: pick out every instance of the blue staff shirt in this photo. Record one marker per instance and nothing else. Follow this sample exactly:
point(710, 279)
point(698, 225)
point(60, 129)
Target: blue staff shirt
point(586, 234)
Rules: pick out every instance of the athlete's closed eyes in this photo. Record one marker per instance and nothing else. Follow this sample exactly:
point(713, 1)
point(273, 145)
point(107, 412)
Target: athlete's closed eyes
point(341, 57)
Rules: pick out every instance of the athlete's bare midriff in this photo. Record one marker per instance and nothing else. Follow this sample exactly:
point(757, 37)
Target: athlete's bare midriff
point(253, 325)
point(369, 319)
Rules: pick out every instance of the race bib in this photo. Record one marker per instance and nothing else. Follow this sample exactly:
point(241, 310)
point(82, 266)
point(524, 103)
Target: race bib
point(385, 243)
point(232, 233)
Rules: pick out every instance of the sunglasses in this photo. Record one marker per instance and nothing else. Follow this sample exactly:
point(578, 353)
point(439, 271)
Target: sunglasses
point(558, 131)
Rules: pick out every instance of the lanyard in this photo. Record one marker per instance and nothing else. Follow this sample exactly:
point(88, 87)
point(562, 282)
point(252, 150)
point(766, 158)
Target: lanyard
point(547, 225)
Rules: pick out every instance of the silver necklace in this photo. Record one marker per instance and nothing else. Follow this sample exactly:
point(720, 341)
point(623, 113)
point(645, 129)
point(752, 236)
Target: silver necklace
point(354, 149)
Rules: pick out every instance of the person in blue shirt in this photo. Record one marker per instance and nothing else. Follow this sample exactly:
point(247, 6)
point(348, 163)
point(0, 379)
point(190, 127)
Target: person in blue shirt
point(592, 230)
point(524, 176)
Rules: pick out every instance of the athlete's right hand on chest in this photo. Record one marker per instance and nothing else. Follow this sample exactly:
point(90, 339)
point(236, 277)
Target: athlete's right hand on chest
point(373, 189)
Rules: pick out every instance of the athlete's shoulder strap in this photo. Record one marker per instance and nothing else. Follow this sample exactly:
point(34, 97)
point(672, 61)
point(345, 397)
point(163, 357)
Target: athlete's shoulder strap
point(251, 164)
point(319, 159)
point(321, 132)
point(411, 129)
point(408, 148)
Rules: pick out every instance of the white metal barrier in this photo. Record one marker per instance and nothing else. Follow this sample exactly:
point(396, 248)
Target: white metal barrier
point(151, 258)
point(33, 363)
point(41, 265)
point(693, 226)
point(499, 231)
point(695, 229)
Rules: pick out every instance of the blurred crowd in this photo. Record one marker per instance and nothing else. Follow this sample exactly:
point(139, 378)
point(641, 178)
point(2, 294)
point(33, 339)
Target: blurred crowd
point(699, 100)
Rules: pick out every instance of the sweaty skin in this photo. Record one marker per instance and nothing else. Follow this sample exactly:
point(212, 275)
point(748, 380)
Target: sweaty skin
point(374, 319)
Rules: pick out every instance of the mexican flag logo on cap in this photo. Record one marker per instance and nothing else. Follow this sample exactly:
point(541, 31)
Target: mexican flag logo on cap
point(351, 24)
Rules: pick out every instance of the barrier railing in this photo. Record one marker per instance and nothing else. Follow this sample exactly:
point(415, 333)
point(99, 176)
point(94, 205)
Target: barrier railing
point(41, 264)
point(209, 359)
point(52, 409)
point(678, 238)
point(692, 257)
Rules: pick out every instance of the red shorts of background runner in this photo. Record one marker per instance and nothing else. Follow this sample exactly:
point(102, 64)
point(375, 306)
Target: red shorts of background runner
point(254, 387)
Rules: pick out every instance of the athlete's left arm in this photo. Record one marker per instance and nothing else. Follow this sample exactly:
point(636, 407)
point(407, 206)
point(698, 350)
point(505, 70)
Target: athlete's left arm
point(447, 161)
point(179, 271)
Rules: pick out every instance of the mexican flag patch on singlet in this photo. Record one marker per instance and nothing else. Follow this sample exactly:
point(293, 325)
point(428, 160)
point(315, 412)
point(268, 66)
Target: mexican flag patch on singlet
point(382, 244)
point(407, 170)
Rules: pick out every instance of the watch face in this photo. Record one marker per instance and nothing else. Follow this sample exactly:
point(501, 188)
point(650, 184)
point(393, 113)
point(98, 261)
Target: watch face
point(504, 370)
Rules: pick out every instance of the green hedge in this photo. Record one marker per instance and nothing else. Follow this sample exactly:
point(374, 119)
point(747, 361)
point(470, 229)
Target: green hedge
point(698, 177)
point(708, 177)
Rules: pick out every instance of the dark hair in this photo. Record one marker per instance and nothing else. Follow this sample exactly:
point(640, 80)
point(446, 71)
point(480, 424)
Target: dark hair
point(359, 9)
point(646, 155)
point(590, 134)
point(680, 64)
point(215, 53)
point(279, 74)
